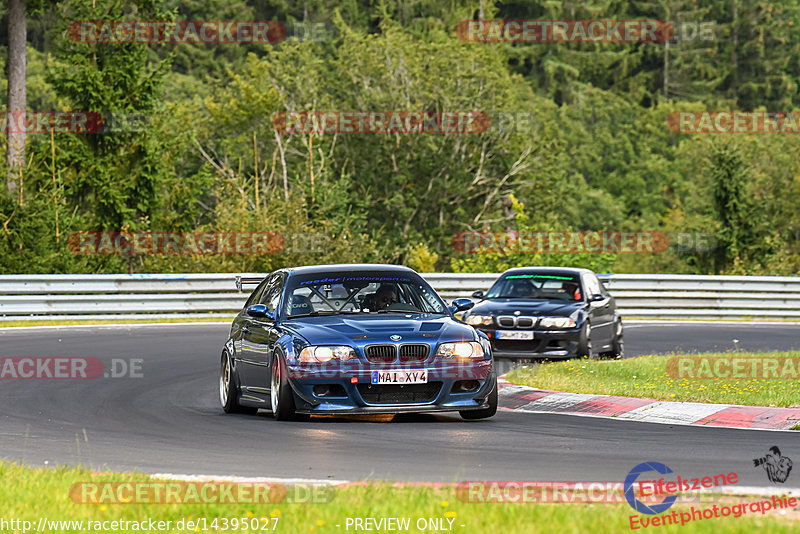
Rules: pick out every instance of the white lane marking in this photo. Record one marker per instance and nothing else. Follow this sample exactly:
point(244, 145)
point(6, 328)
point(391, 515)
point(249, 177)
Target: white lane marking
point(509, 390)
point(750, 490)
point(673, 412)
point(531, 410)
point(248, 480)
point(655, 412)
point(557, 401)
point(728, 490)
point(639, 323)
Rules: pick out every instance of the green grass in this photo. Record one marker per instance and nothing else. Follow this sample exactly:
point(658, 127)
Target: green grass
point(647, 377)
point(144, 320)
point(29, 494)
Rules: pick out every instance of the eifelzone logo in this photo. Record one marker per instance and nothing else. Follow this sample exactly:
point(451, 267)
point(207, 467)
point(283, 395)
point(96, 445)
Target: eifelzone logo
point(630, 481)
point(777, 466)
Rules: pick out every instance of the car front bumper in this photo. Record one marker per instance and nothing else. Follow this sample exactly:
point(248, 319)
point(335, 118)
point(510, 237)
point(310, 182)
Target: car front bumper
point(545, 344)
point(440, 394)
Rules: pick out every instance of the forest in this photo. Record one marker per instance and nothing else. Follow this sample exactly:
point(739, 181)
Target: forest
point(382, 131)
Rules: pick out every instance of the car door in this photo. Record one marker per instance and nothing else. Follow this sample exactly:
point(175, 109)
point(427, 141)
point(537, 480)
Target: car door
point(241, 325)
point(601, 312)
point(258, 339)
point(612, 308)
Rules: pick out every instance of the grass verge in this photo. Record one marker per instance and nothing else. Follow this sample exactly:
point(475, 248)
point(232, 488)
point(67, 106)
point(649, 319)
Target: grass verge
point(30, 494)
point(648, 377)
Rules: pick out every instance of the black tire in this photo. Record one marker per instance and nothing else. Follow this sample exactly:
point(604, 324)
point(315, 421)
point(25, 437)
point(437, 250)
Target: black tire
point(485, 412)
point(228, 390)
point(617, 344)
point(280, 392)
point(585, 343)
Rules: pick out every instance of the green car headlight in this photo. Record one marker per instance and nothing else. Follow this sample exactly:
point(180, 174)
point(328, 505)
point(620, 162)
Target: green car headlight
point(478, 320)
point(556, 322)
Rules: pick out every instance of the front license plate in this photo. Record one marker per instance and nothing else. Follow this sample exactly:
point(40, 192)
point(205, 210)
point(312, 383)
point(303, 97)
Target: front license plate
point(515, 334)
point(400, 377)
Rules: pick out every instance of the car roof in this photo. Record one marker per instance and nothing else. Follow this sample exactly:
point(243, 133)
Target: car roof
point(573, 270)
point(311, 269)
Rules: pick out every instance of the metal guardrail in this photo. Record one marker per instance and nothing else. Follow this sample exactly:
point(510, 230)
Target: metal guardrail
point(215, 295)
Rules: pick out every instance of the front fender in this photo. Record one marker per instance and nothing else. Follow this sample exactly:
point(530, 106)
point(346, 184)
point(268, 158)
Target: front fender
point(291, 346)
point(580, 317)
point(483, 339)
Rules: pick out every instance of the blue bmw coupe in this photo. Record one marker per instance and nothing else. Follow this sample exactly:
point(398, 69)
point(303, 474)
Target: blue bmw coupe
point(354, 339)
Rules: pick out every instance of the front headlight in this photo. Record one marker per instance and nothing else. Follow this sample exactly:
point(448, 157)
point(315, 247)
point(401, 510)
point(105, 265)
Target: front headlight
point(461, 349)
point(324, 354)
point(478, 320)
point(556, 322)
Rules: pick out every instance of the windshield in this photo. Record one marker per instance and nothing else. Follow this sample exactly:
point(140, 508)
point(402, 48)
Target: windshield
point(550, 286)
point(333, 294)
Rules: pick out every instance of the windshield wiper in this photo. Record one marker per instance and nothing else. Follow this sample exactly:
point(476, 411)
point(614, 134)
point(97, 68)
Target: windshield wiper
point(326, 312)
point(514, 297)
point(315, 314)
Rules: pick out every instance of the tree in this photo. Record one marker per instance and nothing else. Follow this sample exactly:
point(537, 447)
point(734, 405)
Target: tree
point(730, 177)
point(17, 96)
point(128, 167)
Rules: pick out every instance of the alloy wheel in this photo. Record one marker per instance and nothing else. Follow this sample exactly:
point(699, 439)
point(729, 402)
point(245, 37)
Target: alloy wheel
point(224, 381)
point(275, 384)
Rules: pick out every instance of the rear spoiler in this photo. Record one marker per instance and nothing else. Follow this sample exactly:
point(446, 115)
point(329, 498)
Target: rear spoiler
point(248, 281)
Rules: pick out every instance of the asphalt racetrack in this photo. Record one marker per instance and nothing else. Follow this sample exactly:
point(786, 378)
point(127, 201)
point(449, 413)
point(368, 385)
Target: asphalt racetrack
point(168, 420)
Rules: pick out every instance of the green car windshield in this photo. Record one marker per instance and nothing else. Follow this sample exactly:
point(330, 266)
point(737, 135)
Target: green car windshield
point(549, 286)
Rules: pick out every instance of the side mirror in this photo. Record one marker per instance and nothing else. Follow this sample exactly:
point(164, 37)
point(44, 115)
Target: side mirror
point(461, 305)
point(597, 297)
point(478, 295)
point(261, 311)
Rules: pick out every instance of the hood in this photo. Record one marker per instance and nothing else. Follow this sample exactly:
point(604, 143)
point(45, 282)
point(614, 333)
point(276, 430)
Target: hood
point(527, 307)
point(356, 330)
